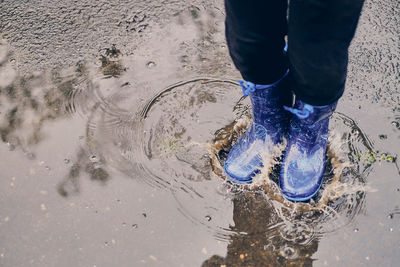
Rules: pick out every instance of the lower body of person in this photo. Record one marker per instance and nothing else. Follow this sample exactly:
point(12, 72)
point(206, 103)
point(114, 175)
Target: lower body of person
point(311, 66)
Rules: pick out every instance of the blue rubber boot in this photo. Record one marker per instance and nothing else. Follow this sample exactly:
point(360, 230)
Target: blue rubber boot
point(268, 128)
point(304, 159)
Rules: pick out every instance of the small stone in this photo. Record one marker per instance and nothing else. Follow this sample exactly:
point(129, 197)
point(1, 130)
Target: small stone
point(391, 229)
point(94, 159)
point(6, 219)
point(66, 161)
point(367, 258)
point(241, 256)
point(383, 136)
point(154, 258)
point(135, 226)
point(356, 230)
point(208, 218)
point(150, 64)
point(204, 251)
point(43, 207)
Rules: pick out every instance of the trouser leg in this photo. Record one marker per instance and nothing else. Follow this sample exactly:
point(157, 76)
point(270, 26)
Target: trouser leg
point(319, 34)
point(255, 33)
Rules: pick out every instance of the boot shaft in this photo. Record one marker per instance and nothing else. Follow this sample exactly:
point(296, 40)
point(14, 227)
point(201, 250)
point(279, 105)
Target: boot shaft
point(309, 124)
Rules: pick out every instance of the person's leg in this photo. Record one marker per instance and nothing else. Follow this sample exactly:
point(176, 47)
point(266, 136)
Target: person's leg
point(320, 33)
point(255, 33)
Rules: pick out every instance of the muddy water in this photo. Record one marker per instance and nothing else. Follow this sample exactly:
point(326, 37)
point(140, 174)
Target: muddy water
point(116, 120)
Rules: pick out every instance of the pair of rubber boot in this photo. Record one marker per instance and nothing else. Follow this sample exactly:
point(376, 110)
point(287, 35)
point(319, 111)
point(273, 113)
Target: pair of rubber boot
point(305, 127)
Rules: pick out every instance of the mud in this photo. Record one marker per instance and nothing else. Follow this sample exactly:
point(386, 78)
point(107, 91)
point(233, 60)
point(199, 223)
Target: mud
point(115, 119)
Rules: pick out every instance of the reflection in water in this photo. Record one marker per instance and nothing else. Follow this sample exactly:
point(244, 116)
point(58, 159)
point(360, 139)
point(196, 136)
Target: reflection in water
point(30, 102)
point(261, 240)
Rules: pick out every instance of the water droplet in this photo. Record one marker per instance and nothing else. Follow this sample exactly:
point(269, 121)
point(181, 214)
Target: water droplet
point(47, 168)
point(135, 226)
point(390, 216)
point(150, 64)
point(66, 161)
point(391, 229)
point(208, 218)
point(124, 224)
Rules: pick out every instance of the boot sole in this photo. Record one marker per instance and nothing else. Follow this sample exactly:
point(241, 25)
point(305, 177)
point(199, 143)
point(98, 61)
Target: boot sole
point(301, 199)
point(237, 180)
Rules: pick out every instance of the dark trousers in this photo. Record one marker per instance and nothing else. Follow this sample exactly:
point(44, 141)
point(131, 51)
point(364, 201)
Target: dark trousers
point(319, 34)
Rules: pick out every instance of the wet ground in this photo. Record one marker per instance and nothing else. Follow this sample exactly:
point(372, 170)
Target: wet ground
point(115, 119)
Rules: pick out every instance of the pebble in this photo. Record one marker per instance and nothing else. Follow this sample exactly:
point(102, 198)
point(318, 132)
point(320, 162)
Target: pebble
point(154, 258)
point(150, 64)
